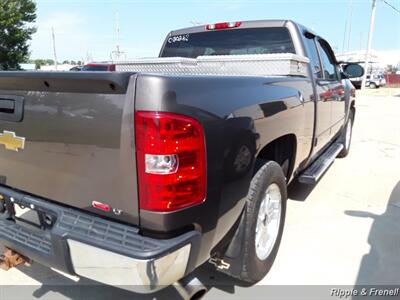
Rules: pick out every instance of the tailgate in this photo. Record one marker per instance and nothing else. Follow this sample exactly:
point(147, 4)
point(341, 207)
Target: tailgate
point(74, 136)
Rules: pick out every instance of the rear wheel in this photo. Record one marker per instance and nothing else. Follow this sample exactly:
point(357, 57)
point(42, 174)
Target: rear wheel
point(372, 85)
point(265, 217)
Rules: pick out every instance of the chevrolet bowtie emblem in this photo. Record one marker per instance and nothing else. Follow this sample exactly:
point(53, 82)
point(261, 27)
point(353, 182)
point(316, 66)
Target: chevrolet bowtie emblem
point(11, 141)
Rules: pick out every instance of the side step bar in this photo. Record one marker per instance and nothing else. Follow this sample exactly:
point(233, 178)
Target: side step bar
point(314, 172)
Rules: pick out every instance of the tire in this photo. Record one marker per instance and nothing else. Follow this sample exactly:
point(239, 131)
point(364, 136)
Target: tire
point(372, 85)
point(346, 136)
point(257, 261)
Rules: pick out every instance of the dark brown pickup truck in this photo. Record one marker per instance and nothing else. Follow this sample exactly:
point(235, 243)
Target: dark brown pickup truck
point(152, 173)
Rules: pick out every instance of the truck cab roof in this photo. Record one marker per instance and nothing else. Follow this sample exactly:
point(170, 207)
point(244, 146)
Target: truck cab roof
point(243, 24)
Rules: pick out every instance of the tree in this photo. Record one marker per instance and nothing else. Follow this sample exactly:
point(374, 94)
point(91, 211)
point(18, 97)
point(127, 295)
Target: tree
point(42, 62)
point(16, 29)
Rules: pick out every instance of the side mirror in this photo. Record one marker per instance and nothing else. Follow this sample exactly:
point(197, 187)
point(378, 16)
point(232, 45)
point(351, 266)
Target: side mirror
point(353, 70)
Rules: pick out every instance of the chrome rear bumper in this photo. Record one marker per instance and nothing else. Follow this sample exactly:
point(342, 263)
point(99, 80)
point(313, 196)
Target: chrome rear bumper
point(134, 274)
point(78, 243)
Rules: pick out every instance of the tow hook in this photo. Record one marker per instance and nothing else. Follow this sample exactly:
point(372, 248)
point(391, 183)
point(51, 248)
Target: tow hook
point(11, 259)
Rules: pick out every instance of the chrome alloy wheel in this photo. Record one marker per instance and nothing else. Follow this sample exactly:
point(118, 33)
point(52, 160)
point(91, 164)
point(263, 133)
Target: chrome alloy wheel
point(268, 221)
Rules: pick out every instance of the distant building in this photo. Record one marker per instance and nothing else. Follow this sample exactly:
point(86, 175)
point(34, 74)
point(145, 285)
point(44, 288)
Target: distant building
point(356, 56)
point(28, 67)
point(379, 60)
point(64, 67)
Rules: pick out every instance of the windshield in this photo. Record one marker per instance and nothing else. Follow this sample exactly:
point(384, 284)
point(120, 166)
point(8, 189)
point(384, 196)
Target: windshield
point(230, 42)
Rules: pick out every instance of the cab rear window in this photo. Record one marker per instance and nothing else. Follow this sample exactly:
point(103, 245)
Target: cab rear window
point(230, 42)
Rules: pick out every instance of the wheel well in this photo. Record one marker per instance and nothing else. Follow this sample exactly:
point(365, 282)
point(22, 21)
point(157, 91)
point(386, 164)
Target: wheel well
point(282, 150)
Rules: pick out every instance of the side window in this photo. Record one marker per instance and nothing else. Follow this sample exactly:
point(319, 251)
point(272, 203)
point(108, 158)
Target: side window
point(313, 56)
point(328, 62)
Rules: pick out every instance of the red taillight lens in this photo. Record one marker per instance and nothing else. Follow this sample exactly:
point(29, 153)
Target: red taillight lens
point(101, 206)
point(223, 25)
point(171, 163)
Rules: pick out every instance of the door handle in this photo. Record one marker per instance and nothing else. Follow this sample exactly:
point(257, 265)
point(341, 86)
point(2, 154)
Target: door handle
point(11, 108)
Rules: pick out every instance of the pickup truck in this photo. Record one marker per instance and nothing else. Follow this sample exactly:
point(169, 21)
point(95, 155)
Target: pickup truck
point(150, 175)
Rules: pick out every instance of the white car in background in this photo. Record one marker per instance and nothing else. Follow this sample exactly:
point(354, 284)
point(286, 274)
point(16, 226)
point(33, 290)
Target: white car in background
point(375, 81)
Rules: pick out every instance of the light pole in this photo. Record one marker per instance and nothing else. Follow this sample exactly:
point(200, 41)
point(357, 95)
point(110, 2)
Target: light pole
point(351, 17)
point(370, 33)
point(54, 47)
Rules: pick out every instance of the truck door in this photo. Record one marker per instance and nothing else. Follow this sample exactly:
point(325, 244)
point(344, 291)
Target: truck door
point(323, 107)
point(335, 92)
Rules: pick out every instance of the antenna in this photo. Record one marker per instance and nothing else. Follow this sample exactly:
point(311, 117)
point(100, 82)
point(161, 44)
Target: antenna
point(345, 34)
point(54, 47)
point(117, 29)
point(196, 22)
point(117, 52)
point(89, 57)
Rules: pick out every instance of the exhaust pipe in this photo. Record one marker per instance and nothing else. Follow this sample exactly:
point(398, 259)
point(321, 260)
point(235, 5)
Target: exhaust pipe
point(190, 288)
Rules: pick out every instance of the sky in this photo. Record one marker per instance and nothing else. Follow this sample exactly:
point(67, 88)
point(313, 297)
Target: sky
point(86, 29)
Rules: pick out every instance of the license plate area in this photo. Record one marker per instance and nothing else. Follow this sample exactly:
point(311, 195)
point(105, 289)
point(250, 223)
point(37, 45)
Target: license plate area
point(24, 213)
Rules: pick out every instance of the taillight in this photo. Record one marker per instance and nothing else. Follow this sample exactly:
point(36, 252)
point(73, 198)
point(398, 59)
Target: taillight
point(171, 162)
point(223, 25)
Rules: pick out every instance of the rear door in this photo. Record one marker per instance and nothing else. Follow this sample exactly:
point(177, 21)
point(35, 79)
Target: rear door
point(323, 107)
point(334, 94)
